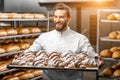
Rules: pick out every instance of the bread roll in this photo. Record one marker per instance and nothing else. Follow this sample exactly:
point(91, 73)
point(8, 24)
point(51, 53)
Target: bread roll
point(116, 55)
point(113, 35)
point(13, 78)
point(106, 53)
point(16, 16)
point(37, 72)
point(26, 76)
point(3, 33)
point(11, 31)
point(116, 67)
point(117, 73)
point(10, 15)
point(27, 16)
point(113, 16)
point(113, 49)
point(39, 16)
point(12, 48)
point(118, 36)
point(107, 71)
point(3, 16)
point(24, 46)
point(18, 73)
point(2, 50)
point(35, 30)
point(23, 31)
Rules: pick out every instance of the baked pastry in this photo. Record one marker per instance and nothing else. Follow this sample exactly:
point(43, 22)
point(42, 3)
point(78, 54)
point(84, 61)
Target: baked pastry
point(116, 73)
point(26, 76)
point(113, 35)
point(24, 46)
point(35, 30)
point(16, 16)
point(113, 16)
point(107, 71)
point(2, 50)
point(116, 66)
point(3, 16)
point(19, 73)
point(12, 48)
point(116, 55)
point(118, 36)
point(39, 16)
point(113, 49)
point(11, 31)
point(23, 31)
point(27, 16)
point(106, 53)
point(3, 33)
point(13, 78)
point(37, 72)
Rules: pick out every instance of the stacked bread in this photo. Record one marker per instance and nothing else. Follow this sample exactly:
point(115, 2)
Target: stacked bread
point(21, 16)
point(15, 31)
point(3, 64)
point(56, 60)
point(14, 47)
point(113, 52)
point(22, 75)
point(113, 16)
point(112, 71)
point(114, 35)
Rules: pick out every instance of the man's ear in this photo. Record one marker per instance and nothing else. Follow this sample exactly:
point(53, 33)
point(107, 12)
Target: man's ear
point(70, 18)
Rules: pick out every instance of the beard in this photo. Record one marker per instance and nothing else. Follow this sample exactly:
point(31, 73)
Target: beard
point(60, 26)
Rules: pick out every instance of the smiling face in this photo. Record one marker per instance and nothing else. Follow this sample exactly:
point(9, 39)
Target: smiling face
point(61, 20)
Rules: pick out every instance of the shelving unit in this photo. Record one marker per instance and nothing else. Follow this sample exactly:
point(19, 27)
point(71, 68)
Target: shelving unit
point(104, 27)
point(14, 25)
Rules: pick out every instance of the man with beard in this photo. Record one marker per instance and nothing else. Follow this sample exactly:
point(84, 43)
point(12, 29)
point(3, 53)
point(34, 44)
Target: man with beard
point(61, 40)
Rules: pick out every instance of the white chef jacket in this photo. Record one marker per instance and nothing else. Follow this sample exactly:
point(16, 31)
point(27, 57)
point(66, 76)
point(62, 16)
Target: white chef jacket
point(61, 42)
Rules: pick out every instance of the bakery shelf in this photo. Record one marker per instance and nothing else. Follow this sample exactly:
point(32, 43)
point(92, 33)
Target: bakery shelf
point(106, 38)
point(8, 71)
point(24, 19)
point(111, 21)
point(18, 36)
point(10, 53)
point(43, 68)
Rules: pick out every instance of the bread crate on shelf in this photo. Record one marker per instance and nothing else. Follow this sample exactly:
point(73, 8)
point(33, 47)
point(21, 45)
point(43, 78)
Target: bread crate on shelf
point(108, 42)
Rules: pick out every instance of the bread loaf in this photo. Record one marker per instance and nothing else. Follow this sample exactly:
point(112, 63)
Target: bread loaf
point(116, 55)
point(12, 48)
point(2, 50)
point(11, 31)
point(24, 46)
point(3, 33)
point(113, 16)
point(106, 53)
point(3, 16)
point(23, 31)
point(117, 73)
point(35, 30)
point(107, 71)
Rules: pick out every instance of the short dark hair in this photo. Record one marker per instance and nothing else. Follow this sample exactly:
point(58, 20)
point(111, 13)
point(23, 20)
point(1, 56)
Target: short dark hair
point(62, 6)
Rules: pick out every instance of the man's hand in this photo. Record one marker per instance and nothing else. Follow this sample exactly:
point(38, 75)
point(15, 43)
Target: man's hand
point(100, 61)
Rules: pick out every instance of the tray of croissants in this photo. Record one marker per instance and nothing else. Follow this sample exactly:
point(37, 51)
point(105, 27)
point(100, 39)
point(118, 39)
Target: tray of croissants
point(54, 61)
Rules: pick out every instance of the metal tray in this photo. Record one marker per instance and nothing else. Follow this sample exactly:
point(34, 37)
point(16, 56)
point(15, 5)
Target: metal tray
point(109, 77)
point(43, 68)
